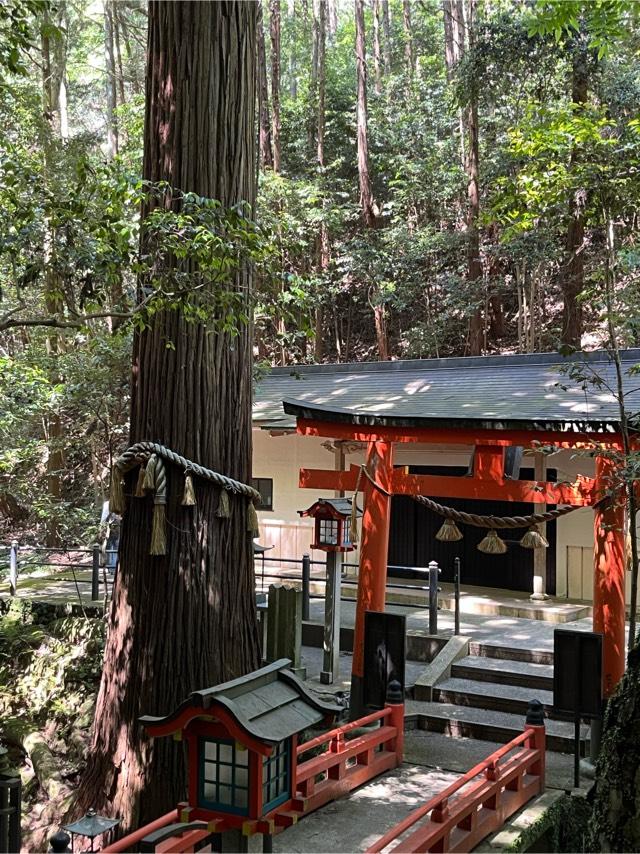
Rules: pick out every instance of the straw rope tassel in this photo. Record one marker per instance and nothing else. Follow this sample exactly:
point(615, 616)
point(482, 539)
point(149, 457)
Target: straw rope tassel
point(534, 539)
point(158, 529)
point(224, 508)
point(189, 495)
point(116, 492)
point(492, 544)
point(449, 532)
point(252, 519)
point(139, 492)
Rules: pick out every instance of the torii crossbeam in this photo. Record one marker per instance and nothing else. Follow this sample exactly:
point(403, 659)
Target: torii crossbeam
point(487, 482)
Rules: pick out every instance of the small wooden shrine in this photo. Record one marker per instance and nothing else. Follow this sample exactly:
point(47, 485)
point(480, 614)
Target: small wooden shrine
point(242, 739)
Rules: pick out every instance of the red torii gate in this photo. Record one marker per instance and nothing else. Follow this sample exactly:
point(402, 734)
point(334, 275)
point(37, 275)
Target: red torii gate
point(487, 482)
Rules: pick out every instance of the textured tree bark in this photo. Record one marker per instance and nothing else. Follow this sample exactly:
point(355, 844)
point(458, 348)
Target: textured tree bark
point(185, 620)
point(274, 29)
point(110, 81)
point(323, 249)
point(266, 150)
point(293, 59)
point(573, 279)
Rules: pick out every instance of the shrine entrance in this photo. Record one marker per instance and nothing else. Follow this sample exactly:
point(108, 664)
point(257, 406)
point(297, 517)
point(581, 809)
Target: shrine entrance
point(487, 481)
point(413, 529)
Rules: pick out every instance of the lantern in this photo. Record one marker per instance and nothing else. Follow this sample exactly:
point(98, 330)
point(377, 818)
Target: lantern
point(332, 529)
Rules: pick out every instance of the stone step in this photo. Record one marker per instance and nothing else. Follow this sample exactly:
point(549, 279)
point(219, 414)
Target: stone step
point(471, 722)
point(511, 653)
point(490, 696)
point(505, 672)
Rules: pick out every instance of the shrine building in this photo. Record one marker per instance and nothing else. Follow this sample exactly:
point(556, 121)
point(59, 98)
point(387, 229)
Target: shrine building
point(531, 392)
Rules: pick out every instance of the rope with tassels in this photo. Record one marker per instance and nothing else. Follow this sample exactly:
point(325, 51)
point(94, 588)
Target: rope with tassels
point(151, 457)
point(491, 544)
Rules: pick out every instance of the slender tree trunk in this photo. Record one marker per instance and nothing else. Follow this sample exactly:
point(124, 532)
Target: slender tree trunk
point(293, 59)
point(115, 18)
point(324, 250)
point(573, 278)
point(185, 620)
point(377, 57)
point(367, 203)
point(266, 150)
point(408, 39)
point(110, 82)
point(386, 41)
point(274, 28)
point(313, 78)
point(474, 265)
point(332, 19)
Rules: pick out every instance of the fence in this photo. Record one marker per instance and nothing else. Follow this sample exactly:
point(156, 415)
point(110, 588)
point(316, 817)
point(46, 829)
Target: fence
point(477, 804)
point(10, 813)
point(29, 561)
point(302, 570)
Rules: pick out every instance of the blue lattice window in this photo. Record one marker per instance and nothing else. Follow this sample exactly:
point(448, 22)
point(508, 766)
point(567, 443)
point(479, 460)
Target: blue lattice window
point(224, 776)
point(276, 776)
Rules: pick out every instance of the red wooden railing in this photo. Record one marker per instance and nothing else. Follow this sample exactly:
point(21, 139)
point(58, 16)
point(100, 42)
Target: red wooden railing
point(478, 803)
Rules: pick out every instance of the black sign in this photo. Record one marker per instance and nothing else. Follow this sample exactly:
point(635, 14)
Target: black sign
point(384, 655)
point(577, 672)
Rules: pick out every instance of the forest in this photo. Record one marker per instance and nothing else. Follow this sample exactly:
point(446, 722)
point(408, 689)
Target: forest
point(192, 193)
point(434, 180)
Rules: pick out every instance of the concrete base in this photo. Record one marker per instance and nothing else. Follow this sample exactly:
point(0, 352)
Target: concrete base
point(300, 672)
point(236, 841)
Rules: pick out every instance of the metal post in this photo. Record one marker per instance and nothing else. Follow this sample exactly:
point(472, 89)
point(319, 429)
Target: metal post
point(433, 597)
point(456, 580)
point(306, 579)
point(95, 573)
point(13, 568)
point(331, 660)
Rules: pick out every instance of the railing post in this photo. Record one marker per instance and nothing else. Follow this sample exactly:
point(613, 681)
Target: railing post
point(395, 702)
point(433, 597)
point(306, 580)
point(535, 723)
point(456, 579)
point(13, 568)
point(95, 573)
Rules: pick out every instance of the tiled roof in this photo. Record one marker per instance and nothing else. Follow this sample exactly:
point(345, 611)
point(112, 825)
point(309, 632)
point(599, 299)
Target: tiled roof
point(530, 390)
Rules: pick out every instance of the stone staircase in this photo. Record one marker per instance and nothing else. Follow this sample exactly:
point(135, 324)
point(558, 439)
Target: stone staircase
point(487, 695)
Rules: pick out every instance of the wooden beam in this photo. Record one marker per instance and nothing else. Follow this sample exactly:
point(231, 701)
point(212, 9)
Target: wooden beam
point(453, 436)
point(579, 494)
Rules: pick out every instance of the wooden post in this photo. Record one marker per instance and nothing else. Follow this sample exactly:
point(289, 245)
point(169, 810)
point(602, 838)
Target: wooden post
point(540, 555)
point(284, 626)
point(372, 578)
point(609, 574)
point(13, 568)
point(331, 646)
point(95, 573)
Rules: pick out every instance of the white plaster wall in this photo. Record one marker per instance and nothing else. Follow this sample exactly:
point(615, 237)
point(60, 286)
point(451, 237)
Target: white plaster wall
point(281, 457)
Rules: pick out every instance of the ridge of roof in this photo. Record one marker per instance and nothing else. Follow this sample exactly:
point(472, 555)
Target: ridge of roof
point(554, 358)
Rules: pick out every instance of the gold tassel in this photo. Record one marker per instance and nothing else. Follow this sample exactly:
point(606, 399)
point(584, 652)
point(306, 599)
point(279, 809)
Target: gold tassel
point(158, 531)
point(224, 508)
point(492, 544)
point(149, 480)
point(353, 521)
point(139, 493)
point(252, 519)
point(534, 539)
point(449, 532)
point(189, 496)
point(116, 492)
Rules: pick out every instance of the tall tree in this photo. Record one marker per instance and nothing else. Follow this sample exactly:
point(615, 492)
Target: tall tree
point(377, 55)
point(266, 149)
point(274, 28)
point(408, 38)
point(324, 250)
point(293, 58)
point(386, 41)
point(111, 99)
point(187, 619)
point(572, 277)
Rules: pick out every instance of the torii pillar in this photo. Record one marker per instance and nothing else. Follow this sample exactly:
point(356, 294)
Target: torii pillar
point(374, 548)
point(609, 608)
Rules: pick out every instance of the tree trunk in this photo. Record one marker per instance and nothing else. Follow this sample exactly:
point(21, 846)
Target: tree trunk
point(274, 29)
point(377, 58)
point(408, 39)
point(293, 59)
point(573, 278)
point(110, 81)
point(266, 150)
point(323, 251)
point(313, 77)
point(386, 32)
point(367, 203)
point(474, 265)
point(115, 18)
point(185, 620)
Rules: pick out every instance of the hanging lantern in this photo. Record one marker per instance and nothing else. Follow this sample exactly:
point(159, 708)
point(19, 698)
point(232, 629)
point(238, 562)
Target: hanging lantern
point(492, 544)
point(534, 539)
point(449, 532)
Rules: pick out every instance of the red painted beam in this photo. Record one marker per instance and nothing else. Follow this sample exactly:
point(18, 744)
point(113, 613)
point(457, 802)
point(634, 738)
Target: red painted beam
point(579, 494)
point(453, 436)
